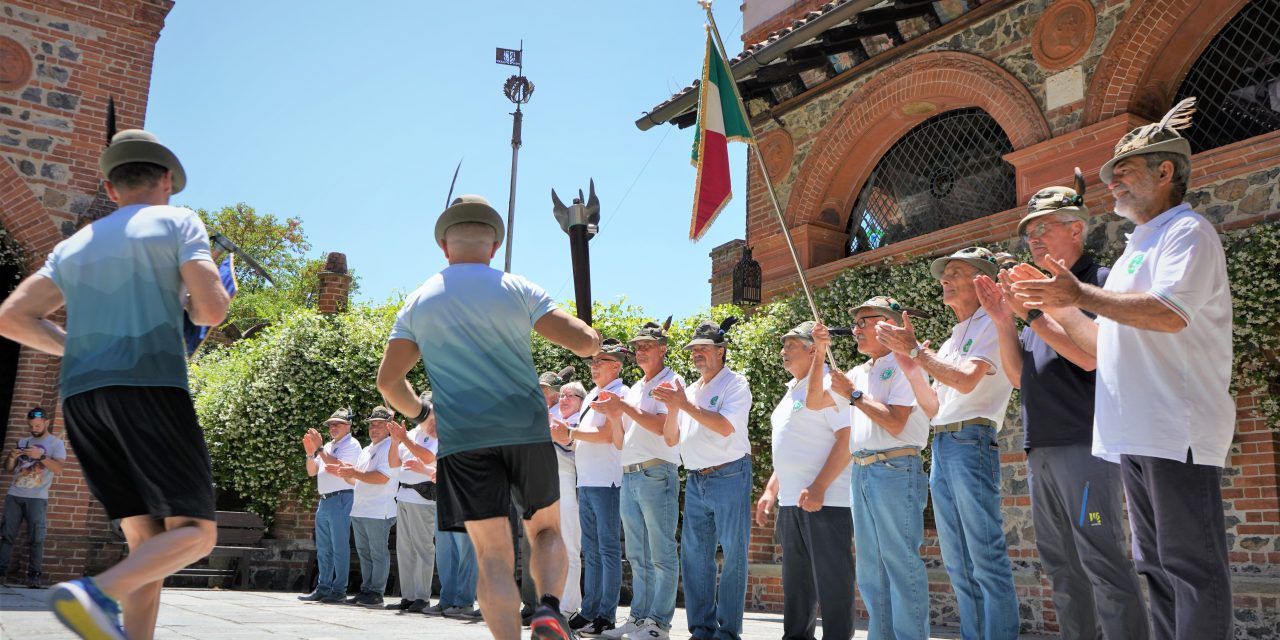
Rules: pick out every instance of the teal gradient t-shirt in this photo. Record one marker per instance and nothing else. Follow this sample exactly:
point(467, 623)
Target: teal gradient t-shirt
point(473, 325)
point(122, 285)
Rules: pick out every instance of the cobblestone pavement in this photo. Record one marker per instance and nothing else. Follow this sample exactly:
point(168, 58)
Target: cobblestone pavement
point(208, 614)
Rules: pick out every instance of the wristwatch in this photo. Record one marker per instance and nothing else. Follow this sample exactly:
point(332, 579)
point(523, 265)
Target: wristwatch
point(1034, 315)
point(855, 396)
point(914, 352)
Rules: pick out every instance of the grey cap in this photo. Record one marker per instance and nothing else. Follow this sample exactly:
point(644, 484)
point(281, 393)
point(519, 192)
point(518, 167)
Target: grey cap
point(470, 208)
point(802, 331)
point(341, 415)
point(380, 413)
point(136, 145)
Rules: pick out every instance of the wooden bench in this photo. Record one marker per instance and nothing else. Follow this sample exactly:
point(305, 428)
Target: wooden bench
point(239, 534)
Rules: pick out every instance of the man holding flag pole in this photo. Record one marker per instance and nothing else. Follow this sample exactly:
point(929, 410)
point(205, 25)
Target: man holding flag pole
point(721, 118)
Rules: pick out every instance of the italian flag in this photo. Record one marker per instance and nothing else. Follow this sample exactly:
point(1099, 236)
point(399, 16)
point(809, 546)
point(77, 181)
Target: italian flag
point(721, 118)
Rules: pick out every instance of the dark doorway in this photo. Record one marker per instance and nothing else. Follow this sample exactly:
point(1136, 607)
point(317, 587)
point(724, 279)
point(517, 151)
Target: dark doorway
point(9, 275)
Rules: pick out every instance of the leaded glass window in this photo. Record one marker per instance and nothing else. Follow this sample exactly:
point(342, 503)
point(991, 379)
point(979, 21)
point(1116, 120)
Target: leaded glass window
point(946, 170)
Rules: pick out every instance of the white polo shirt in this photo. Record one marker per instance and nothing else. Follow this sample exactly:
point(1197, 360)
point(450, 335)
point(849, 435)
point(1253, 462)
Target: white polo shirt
point(599, 463)
point(376, 501)
point(974, 339)
point(802, 440)
point(346, 450)
point(1160, 394)
point(640, 444)
point(729, 395)
point(883, 381)
point(405, 494)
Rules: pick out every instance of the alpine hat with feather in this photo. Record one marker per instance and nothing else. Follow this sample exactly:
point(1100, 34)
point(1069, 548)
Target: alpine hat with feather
point(652, 332)
point(1052, 200)
point(712, 333)
point(136, 145)
point(1158, 137)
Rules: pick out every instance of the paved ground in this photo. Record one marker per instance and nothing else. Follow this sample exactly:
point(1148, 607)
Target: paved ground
point(207, 614)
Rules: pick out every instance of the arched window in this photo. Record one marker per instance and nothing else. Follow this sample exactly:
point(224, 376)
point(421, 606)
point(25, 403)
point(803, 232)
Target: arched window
point(1237, 80)
point(946, 170)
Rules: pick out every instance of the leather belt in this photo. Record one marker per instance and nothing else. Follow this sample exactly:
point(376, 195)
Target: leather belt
point(641, 466)
point(709, 470)
point(331, 494)
point(881, 456)
point(952, 427)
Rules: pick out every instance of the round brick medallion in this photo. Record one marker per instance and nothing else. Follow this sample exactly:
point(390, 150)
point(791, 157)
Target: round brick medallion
point(777, 150)
point(1063, 34)
point(15, 65)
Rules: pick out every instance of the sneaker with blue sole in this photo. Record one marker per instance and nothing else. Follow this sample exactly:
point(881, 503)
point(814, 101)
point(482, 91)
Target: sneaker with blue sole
point(86, 610)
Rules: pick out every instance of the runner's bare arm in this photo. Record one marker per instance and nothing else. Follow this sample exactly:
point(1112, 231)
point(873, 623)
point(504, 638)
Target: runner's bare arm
point(568, 332)
point(398, 359)
point(24, 315)
point(209, 299)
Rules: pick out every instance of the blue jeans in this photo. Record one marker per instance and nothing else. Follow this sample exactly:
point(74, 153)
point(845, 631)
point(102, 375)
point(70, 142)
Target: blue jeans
point(888, 523)
point(717, 510)
point(17, 509)
point(650, 511)
point(601, 551)
point(456, 564)
point(333, 544)
point(966, 506)
point(373, 536)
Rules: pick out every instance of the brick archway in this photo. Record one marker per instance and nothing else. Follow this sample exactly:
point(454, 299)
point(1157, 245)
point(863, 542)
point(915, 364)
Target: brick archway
point(1150, 54)
point(23, 215)
point(885, 108)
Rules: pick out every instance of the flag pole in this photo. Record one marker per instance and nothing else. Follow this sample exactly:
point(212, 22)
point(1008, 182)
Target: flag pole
point(768, 184)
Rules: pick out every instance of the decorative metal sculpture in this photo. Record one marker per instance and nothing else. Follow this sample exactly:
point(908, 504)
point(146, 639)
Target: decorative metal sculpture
point(581, 221)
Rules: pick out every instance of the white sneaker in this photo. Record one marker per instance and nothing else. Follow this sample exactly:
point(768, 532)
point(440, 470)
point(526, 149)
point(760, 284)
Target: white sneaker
point(650, 630)
point(618, 633)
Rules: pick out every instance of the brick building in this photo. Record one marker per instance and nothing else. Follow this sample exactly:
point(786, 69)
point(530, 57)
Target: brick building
point(60, 60)
point(894, 129)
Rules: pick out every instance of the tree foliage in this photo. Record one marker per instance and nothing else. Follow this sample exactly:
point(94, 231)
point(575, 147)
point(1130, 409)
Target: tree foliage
point(281, 247)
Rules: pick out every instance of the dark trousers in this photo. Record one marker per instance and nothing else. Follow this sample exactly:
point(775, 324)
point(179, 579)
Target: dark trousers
point(817, 572)
point(1078, 512)
point(1180, 545)
point(15, 511)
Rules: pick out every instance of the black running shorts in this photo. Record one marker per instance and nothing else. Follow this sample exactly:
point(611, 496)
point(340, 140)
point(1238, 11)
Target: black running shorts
point(479, 484)
point(142, 451)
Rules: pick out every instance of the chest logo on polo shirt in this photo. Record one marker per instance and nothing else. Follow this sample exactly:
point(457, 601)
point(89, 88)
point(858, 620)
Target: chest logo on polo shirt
point(886, 374)
point(796, 406)
point(714, 399)
point(968, 344)
point(1135, 262)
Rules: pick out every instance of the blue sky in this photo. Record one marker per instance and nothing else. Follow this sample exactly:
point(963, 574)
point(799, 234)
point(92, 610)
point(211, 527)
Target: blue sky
point(352, 117)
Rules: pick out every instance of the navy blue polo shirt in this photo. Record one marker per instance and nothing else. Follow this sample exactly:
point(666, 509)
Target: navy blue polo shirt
point(1057, 396)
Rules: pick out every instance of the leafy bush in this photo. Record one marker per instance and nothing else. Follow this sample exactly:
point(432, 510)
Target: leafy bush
point(256, 397)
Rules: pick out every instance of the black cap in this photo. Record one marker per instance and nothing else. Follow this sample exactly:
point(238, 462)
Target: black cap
point(36, 412)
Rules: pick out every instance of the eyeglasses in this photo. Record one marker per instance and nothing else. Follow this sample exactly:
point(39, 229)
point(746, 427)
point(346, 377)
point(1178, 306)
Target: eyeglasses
point(862, 322)
point(1039, 229)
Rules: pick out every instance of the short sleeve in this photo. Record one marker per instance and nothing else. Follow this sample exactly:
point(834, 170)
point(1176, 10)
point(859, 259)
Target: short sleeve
point(402, 329)
point(985, 346)
point(537, 300)
point(1189, 258)
point(59, 451)
point(432, 444)
point(736, 403)
point(50, 267)
point(193, 239)
point(836, 419)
